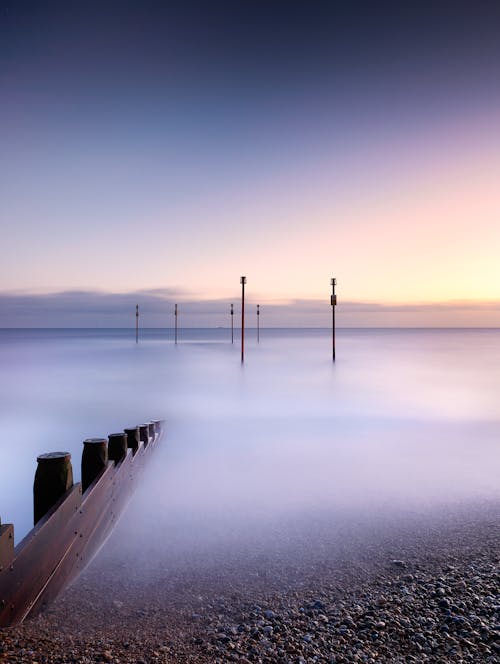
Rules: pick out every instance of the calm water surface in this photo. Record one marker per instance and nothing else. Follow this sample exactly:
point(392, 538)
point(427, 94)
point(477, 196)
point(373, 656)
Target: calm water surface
point(406, 418)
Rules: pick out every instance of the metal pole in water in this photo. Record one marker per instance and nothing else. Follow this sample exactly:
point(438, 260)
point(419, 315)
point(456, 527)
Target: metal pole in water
point(175, 314)
point(333, 302)
point(243, 281)
point(136, 323)
point(232, 325)
point(258, 323)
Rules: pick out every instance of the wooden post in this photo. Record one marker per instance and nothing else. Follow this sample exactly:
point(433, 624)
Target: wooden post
point(6, 545)
point(232, 324)
point(136, 323)
point(53, 477)
point(94, 460)
point(159, 426)
point(175, 314)
point(151, 430)
point(144, 433)
point(333, 302)
point(133, 438)
point(258, 323)
point(117, 446)
point(243, 281)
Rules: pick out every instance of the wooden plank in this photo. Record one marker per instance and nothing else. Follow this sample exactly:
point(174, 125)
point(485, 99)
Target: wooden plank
point(102, 506)
point(6, 545)
point(67, 538)
point(93, 507)
point(37, 556)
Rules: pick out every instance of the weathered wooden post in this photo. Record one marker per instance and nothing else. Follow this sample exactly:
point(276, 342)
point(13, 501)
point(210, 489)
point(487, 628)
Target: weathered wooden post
point(258, 323)
point(243, 281)
point(175, 314)
point(158, 426)
point(144, 433)
point(333, 302)
point(133, 438)
point(53, 477)
point(94, 460)
point(151, 430)
point(6, 545)
point(68, 529)
point(117, 446)
point(232, 324)
point(136, 323)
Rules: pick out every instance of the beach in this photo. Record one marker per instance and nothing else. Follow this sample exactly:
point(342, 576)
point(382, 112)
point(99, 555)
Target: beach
point(294, 512)
point(425, 589)
point(249, 332)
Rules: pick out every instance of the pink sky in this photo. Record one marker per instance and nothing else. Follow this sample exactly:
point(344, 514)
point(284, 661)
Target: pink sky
point(130, 172)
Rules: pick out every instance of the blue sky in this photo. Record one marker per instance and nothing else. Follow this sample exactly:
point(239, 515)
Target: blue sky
point(174, 146)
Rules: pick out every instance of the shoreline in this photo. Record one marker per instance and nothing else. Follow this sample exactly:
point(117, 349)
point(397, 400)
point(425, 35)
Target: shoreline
point(415, 594)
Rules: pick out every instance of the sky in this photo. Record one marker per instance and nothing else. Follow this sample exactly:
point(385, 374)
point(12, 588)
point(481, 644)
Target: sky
point(156, 151)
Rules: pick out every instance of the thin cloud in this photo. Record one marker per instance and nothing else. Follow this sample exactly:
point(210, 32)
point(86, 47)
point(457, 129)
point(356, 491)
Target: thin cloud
point(88, 308)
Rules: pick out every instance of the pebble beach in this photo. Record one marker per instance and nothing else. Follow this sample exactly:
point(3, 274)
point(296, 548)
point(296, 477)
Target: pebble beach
point(420, 589)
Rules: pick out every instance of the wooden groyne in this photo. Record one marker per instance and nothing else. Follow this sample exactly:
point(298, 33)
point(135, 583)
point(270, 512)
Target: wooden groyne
point(72, 521)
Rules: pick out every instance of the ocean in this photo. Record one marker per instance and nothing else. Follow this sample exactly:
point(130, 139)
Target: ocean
point(405, 419)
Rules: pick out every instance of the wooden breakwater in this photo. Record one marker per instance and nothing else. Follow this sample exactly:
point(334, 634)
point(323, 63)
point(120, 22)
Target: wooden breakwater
point(71, 523)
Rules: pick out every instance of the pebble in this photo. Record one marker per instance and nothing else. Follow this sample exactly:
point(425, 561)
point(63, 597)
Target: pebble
point(445, 611)
point(398, 563)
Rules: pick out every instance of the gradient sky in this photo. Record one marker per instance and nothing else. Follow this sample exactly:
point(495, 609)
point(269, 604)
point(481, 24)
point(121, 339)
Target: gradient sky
point(176, 145)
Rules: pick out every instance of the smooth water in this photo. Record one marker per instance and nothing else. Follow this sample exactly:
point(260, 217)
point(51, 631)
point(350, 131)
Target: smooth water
point(404, 419)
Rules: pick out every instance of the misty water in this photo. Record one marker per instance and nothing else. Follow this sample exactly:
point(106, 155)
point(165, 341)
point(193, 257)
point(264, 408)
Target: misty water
point(405, 421)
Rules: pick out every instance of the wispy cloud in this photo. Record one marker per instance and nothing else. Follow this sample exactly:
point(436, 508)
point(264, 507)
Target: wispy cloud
point(104, 309)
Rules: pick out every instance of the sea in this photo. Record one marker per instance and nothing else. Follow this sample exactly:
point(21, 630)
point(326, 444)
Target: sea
point(405, 419)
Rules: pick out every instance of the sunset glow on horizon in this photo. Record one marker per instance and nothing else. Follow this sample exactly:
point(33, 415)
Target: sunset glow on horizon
point(180, 165)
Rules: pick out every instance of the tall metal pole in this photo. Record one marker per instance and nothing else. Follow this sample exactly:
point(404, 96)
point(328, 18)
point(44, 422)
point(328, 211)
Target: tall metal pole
point(136, 323)
point(243, 281)
point(175, 314)
point(258, 323)
point(333, 302)
point(232, 325)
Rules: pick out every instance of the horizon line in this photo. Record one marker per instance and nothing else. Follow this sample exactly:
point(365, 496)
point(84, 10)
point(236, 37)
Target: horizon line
point(273, 327)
